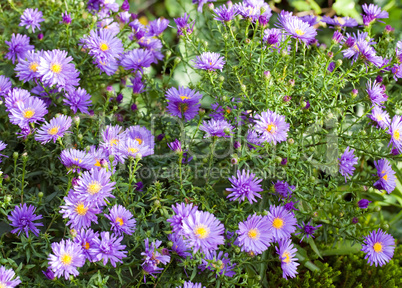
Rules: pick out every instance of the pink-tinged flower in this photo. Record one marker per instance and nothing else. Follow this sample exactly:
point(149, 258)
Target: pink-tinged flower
point(183, 102)
point(121, 219)
point(22, 218)
point(255, 235)
point(5, 85)
point(287, 253)
point(379, 247)
point(75, 160)
point(27, 68)
point(182, 211)
point(78, 99)
point(31, 19)
point(30, 111)
point(272, 127)
point(386, 176)
point(381, 117)
point(246, 185)
point(395, 130)
point(209, 61)
point(376, 92)
point(18, 47)
point(108, 248)
point(137, 59)
point(339, 21)
point(6, 278)
point(296, 28)
point(373, 12)
point(346, 163)
point(282, 222)
point(54, 129)
point(220, 128)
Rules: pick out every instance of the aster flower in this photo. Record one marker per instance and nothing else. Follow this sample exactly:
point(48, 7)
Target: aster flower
point(142, 135)
point(397, 71)
point(131, 148)
point(211, 260)
point(66, 258)
point(121, 219)
point(85, 238)
point(180, 246)
point(54, 129)
point(183, 26)
point(346, 163)
point(395, 130)
point(5, 85)
point(108, 248)
point(125, 6)
point(55, 69)
point(363, 203)
point(66, 18)
point(175, 146)
point(225, 14)
point(283, 189)
point(31, 19)
point(203, 231)
point(289, 206)
point(49, 274)
point(138, 29)
point(296, 28)
point(22, 218)
point(27, 68)
point(2, 147)
point(112, 138)
point(152, 258)
point(245, 185)
point(30, 111)
point(339, 21)
point(103, 45)
point(75, 160)
point(379, 247)
point(251, 9)
point(376, 92)
point(156, 27)
point(274, 38)
point(78, 100)
point(287, 253)
point(337, 37)
point(108, 24)
point(6, 278)
point(182, 211)
point(381, 117)
point(373, 12)
point(220, 128)
point(307, 230)
point(125, 17)
point(183, 102)
point(136, 83)
point(272, 127)
point(201, 4)
point(253, 139)
point(310, 19)
point(386, 176)
point(18, 47)
point(255, 235)
point(137, 59)
point(282, 222)
point(399, 50)
point(209, 61)
point(189, 284)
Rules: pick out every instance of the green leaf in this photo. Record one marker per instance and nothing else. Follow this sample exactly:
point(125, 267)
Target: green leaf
point(314, 247)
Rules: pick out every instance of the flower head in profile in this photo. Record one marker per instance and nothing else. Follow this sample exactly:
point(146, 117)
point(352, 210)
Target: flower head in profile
point(27, 68)
point(5, 85)
point(18, 47)
point(153, 256)
point(67, 256)
point(54, 129)
point(386, 176)
point(246, 185)
point(376, 92)
point(6, 278)
point(31, 19)
point(287, 253)
point(182, 211)
point(137, 84)
point(283, 189)
point(339, 21)
point(85, 238)
point(363, 203)
point(296, 28)
point(75, 160)
point(255, 235)
point(225, 14)
point(156, 27)
point(346, 163)
point(211, 260)
point(395, 130)
point(379, 247)
point(183, 25)
point(142, 135)
point(30, 111)
point(281, 221)
point(310, 19)
point(373, 12)
point(137, 59)
point(108, 248)
point(78, 99)
point(219, 128)
point(121, 219)
point(175, 146)
point(22, 219)
point(66, 17)
point(183, 102)
point(209, 61)
point(307, 230)
point(272, 127)
point(180, 246)
point(201, 4)
point(381, 117)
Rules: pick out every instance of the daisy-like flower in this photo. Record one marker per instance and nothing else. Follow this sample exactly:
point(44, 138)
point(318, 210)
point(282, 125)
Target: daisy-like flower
point(339, 21)
point(246, 185)
point(31, 19)
point(180, 246)
point(346, 163)
point(212, 261)
point(138, 29)
point(183, 25)
point(251, 9)
point(373, 12)
point(78, 99)
point(296, 28)
point(175, 146)
point(183, 102)
point(273, 37)
point(107, 23)
point(225, 14)
point(398, 50)
point(219, 128)
point(137, 59)
point(182, 211)
point(131, 148)
point(108, 247)
point(255, 235)
point(283, 189)
point(6, 278)
point(54, 129)
point(22, 219)
point(85, 238)
point(137, 84)
point(282, 222)
point(18, 47)
point(112, 138)
point(121, 219)
point(153, 257)
point(395, 130)
point(2, 147)
point(287, 253)
point(209, 61)
point(381, 117)
point(27, 68)
point(337, 37)
point(103, 45)
point(55, 69)
point(75, 160)
point(156, 27)
point(376, 92)
point(30, 111)
point(66, 258)
point(253, 139)
point(386, 176)
point(310, 19)
point(5, 85)
point(272, 127)
point(94, 186)
point(397, 71)
point(189, 284)
point(307, 230)
point(142, 135)
point(66, 17)
point(379, 247)
point(153, 45)
point(203, 231)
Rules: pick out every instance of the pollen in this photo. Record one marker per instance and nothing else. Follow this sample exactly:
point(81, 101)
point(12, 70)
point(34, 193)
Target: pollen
point(253, 234)
point(97, 164)
point(104, 47)
point(277, 223)
point(201, 232)
point(299, 32)
point(377, 247)
point(66, 259)
point(53, 130)
point(86, 246)
point(397, 135)
point(56, 68)
point(114, 141)
point(286, 257)
point(271, 128)
point(184, 97)
point(139, 140)
point(119, 221)
point(133, 150)
point(81, 209)
point(33, 66)
point(94, 187)
point(29, 113)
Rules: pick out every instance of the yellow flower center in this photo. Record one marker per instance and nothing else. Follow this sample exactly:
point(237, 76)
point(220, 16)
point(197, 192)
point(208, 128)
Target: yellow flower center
point(377, 247)
point(133, 150)
point(356, 48)
point(271, 128)
point(385, 177)
point(104, 47)
point(86, 246)
point(81, 209)
point(29, 113)
point(379, 117)
point(228, 110)
point(139, 140)
point(114, 142)
point(253, 233)
point(286, 256)
point(340, 20)
point(79, 160)
point(33, 66)
point(277, 223)
point(201, 232)
point(299, 32)
point(66, 259)
point(94, 187)
point(3, 285)
point(397, 135)
point(120, 221)
point(56, 68)
point(53, 131)
point(97, 164)
point(184, 97)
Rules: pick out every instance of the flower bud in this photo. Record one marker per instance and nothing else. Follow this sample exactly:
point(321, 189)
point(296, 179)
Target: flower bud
point(40, 36)
point(286, 98)
point(292, 82)
point(243, 87)
point(8, 198)
point(339, 62)
point(354, 92)
point(291, 141)
point(237, 145)
point(234, 161)
point(76, 120)
point(15, 155)
point(134, 107)
point(40, 194)
point(168, 54)
point(221, 78)
point(138, 156)
point(79, 137)
point(7, 178)
point(177, 60)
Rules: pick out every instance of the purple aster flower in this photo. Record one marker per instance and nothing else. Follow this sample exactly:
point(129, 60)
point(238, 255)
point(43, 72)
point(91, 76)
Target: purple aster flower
point(212, 260)
point(107, 23)
point(112, 138)
point(121, 219)
point(183, 102)
point(78, 100)
point(245, 185)
point(203, 231)
point(5, 85)
point(75, 160)
point(291, 206)
point(180, 246)
point(251, 9)
point(49, 274)
point(22, 218)
point(287, 253)
point(381, 117)
point(30, 111)
point(31, 19)
point(339, 21)
point(125, 17)
point(66, 18)
point(138, 29)
point(307, 230)
point(209, 61)
point(6, 278)
point(282, 222)
point(337, 37)
point(346, 163)
point(253, 139)
point(142, 135)
point(136, 83)
point(363, 203)
point(183, 26)
point(360, 48)
point(399, 50)
point(85, 238)
point(40, 36)
point(125, 6)
point(66, 258)
point(137, 59)
point(373, 12)
point(255, 235)
point(272, 127)
point(379, 247)
point(397, 71)
point(395, 130)
point(2, 147)
point(220, 128)
point(182, 211)
point(103, 45)
point(376, 92)
point(54, 129)
point(225, 14)
point(283, 189)
point(131, 148)
point(217, 113)
point(80, 213)
point(274, 38)
point(27, 68)
point(153, 257)
point(156, 27)
point(331, 67)
point(189, 284)
point(296, 28)
point(55, 69)
point(201, 3)
point(386, 176)
point(108, 248)
point(94, 186)
point(18, 47)
point(310, 19)
point(175, 146)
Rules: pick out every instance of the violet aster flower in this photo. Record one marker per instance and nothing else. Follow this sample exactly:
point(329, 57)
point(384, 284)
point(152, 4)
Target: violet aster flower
point(103, 45)
point(397, 71)
point(203, 231)
point(6, 278)
point(66, 18)
point(2, 147)
point(121, 219)
point(66, 258)
point(31, 111)
point(108, 248)
point(272, 127)
point(395, 130)
point(142, 135)
point(175, 146)
point(137, 59)
point(337, 37)
point(291, 206)
point(253, 139)
point(182, 211)
point(180, 246)
point(31, 19)
point(157, 26)
point(211, 260)
point(54, 129)
point(296, 28)
point(255, 235)
point(282, 222)
point(183, 102)
point(136, 83)
point(363, 203)
point(220, 128)
point(5, 85)
point(131, 148)
point(283, 189)
point(125, 17)
point(251, 9)
point(386, 176)
point(381, 117)
point(209, 61)
point(399, 50)
point(274, 38)
point(85, 238)
point(138, 29)
point(376, 92)
point(310, 19)
point(22, 218)
point(16, 97)
point(78, 100)
point(201, 4)
point(379, 247)
point(339, 21)
point(18, 47)
point(55, 69)
point(153, 257)
point(246, 185)
point(373, 12)
point(27, 68)
point(112, 138)
point(183, 25)
point(108, 66)
point(287, 253)
point(225, 14)
point(75, 160)
point(49, 274)
point(360, 48)
point(307, 230)
point(189, 284)
point(346, 163)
